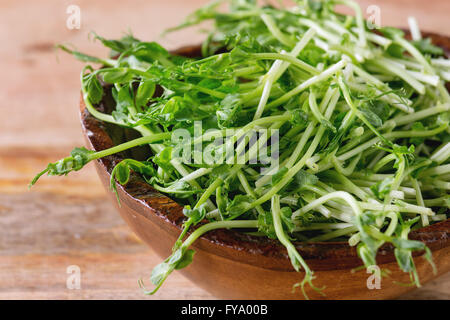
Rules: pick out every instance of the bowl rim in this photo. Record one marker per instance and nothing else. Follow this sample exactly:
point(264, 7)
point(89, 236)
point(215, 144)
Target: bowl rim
point(240, 247)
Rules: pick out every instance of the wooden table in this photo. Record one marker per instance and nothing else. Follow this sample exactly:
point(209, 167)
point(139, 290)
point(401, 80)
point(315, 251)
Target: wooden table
point(69, 221)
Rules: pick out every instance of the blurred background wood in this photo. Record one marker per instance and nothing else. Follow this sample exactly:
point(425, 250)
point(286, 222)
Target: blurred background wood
point(69, 221)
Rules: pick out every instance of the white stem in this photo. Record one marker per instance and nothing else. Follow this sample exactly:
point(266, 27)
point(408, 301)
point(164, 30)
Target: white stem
point(347, 197)
point(414, 29)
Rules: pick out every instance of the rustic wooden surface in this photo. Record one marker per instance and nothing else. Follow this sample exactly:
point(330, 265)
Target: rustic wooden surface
point(70, 221)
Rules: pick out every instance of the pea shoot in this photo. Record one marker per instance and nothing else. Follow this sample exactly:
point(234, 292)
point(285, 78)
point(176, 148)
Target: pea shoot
point(357, 121)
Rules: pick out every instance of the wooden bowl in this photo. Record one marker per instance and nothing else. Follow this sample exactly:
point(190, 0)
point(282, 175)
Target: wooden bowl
point(232, 265)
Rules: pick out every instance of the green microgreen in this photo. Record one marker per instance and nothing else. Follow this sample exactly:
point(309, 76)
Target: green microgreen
point(362, 121)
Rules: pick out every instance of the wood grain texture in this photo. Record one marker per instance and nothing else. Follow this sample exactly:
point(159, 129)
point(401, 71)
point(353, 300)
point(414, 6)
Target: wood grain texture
point(70, 221)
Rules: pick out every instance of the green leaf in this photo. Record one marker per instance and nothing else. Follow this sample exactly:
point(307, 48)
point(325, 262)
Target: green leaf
point(403, 150)
point(124, 99)
point(160, 273)
point(426, 47)
point(372, 117)
point(421, 163)
point(93, 88)
point(238, 54)
point(222, 199)
point(221, 172)
point(163, 158)
point(404, 259)
point(408, 244)
point(239, 205)
point(288, 224)
point(117, 46)
point(185, 260)
point(315, 5)
point(118, 75)
point(122, 173)
point(382, 188)
point(80, 56)
point(210, 83)
point(150, 52)
point(144, 93)
point(378, 109)
point(277, 177)
point(265, 225)
point(228, 111)
point(78, 158)
point(417, 126)
point(312, 54)
point(122, 170)
point(299, 118)
point(392, 32)
point(303, 178)
point(196, 214)
point(395, 50)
